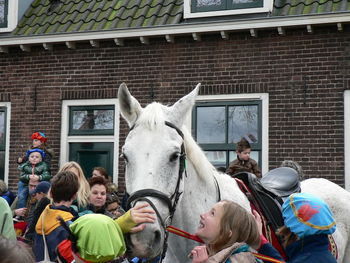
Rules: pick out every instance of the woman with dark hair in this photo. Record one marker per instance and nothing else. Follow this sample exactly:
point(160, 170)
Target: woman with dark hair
point(98, 196)
point(100, 171)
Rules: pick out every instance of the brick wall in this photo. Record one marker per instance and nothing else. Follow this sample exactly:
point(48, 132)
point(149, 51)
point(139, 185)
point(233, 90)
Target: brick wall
point(304, 74)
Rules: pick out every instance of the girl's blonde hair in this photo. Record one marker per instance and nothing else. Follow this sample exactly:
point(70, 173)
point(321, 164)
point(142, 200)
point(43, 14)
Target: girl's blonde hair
point(236, 225)
point(84, 188)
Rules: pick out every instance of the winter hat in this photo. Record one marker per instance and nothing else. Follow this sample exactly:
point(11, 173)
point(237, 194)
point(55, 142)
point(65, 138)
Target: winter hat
point(39, 136)
point(99, 238)
point(305, 215)
point(42, 187)
point(36, 150)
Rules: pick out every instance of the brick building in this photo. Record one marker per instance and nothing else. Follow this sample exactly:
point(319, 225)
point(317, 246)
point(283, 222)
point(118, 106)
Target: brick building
point(280, 71)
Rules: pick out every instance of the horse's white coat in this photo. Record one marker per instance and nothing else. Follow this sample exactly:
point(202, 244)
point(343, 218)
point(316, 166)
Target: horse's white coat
point(148, 149)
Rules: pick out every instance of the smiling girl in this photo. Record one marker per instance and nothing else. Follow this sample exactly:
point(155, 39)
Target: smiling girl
point(229, 233)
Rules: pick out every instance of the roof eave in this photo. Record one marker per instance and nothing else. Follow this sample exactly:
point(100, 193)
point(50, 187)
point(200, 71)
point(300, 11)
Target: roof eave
point(181, 29)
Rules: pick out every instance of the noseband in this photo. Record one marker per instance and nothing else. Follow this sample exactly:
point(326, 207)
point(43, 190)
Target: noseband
point(170, 201)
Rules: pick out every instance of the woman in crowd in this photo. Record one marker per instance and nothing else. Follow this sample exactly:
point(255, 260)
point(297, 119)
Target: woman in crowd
point(98, 196)
point(84, 189)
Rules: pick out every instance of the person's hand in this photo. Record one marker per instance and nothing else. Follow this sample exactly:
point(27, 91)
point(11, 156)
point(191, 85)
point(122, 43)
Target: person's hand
point(20, 211)
point(19, 160)
point(258, 221)
point(141, 213)
point(199, 254)
point(33, 178)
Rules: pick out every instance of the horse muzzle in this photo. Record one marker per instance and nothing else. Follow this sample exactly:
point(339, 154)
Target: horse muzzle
point(148, 243)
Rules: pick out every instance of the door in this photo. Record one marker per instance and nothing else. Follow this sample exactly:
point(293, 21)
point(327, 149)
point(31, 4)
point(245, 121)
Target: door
point(92, 154)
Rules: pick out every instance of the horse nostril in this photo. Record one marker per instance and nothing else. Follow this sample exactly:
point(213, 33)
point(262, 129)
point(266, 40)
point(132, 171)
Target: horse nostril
point(157, 237)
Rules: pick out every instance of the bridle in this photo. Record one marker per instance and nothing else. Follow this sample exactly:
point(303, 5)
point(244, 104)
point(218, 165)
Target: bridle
point(171, 201)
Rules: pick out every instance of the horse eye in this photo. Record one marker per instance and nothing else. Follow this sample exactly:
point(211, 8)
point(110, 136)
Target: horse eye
point(174, 157)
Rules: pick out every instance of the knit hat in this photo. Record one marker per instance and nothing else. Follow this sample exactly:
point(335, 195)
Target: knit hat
point(305, 215)
point(36, 150)
point(99, 238)
point(39, 136)
point(42, 187)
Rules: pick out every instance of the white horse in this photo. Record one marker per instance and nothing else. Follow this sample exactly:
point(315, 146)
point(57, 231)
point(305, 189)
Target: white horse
point(152, 152)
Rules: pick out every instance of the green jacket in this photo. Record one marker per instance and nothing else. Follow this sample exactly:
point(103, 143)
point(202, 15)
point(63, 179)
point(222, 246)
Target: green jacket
point(41, 170)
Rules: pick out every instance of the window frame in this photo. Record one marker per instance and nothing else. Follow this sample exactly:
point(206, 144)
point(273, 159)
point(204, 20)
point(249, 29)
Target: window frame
point(11, 16)
point(188, 13)
point(67, 138)
point(242, 98)
point(7, 105)
point(347, 139)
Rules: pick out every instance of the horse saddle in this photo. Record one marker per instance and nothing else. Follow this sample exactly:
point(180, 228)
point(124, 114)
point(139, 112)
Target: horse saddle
point(268, 193)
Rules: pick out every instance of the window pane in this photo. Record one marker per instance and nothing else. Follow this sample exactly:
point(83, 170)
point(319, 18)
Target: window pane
point(201, 3)
point(217, 158)
point(93, 119)
point(211, 124)
point(253, 154)
point(2, 129)
point(243, 122)
point(2, 11)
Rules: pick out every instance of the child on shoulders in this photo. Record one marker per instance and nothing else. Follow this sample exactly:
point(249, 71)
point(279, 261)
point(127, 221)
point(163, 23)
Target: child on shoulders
point(33, 170)
point(39, 140)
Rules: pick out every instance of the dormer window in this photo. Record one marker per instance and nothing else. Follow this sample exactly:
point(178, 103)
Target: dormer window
point(3, 13)
point(208, 8)
point(8, 15)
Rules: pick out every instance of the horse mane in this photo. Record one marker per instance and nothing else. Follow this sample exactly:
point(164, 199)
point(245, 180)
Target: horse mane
point(197, 157)
point(154, 115)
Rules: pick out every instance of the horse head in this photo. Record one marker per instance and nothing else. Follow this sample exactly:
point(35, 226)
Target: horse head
point(154, 159)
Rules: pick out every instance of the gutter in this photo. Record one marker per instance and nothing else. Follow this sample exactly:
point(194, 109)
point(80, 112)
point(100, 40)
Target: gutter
point(170, 31)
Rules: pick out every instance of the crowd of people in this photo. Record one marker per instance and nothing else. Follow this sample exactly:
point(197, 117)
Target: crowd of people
point(67, 218)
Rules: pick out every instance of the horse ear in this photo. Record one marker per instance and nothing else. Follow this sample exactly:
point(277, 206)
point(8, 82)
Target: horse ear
point(183, 106)
point(129, 107)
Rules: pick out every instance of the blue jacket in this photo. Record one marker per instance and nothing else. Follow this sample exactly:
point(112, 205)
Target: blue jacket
point(310, 249)
point(9, 197)
point(54, 232)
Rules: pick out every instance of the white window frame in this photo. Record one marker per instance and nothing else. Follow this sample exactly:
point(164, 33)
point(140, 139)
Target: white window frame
point(347, 138)
point(267, 7)
point(7, 105)
point(12, 16)
point(264, 98)
point(66, 139)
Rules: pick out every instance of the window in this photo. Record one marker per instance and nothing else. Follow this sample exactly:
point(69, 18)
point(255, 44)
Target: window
point(347, 138)
point(87, 120)
point(4, 139)
point(8, 15)
point(218, 122)
point(3, 13)
point(215, 5)
point(206, 8)
point(90, 134)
